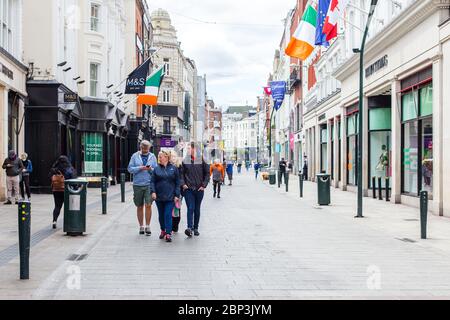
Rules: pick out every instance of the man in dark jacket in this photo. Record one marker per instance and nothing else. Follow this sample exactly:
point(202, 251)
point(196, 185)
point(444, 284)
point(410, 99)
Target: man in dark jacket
point(282, 168)
point(195, 177)
point(14, 167)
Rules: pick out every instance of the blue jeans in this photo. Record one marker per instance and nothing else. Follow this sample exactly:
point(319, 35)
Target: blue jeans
point(193, 202)
point(165, 209)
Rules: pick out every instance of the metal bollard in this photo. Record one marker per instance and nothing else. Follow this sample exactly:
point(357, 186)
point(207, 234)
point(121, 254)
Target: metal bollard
point(423, 213)
point(286, 180)
point(380, 189)
point(374, 188)
point(387, 188)
point(24, 214)
point(104, 194)
point(122, 187)
point(300, 181)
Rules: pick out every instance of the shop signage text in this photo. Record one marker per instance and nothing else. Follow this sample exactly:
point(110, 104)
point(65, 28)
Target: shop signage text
point(376, 66)
point(70, 97)
point(7, 72)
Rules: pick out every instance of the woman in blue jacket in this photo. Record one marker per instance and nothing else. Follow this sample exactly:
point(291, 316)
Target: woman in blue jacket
point(165, 189)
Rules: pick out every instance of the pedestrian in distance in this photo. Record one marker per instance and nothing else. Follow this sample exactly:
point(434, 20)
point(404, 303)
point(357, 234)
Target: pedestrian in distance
point(176, 216)
point(229, 170)
point(60, 171)
point(224, 164)
point(13, 166)
point(239, 167)
point(257, 167)
point(165, 188)
point(25, 181)
point(217, 172)
point(141, 165)
point(194, 179)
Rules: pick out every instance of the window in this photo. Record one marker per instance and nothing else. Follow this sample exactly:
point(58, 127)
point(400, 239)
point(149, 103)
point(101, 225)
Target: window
point(380, 144)
point(166, 67)
point(95, 17)
point(166, 96)
point(7, 24)
point(352, 148)
point(417, 140)
point(166, 125)
point(324, 149)
point(94, 68)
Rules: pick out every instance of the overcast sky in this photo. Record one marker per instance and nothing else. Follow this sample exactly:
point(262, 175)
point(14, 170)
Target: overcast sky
point(235, 53)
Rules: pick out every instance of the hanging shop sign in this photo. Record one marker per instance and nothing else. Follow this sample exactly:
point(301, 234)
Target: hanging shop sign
point(70, 97)
point(93, 152)
point(377, 66)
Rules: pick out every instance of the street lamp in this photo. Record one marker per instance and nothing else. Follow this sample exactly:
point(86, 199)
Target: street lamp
point(373, 5)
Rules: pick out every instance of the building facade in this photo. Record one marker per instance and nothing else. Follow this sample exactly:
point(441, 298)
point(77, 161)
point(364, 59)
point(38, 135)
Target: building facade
point(74, 71)
point(404, 102)
point(13, 73)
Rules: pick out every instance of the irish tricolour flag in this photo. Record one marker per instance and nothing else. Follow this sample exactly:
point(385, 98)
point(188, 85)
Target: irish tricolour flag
point(302, 42)
point(150, 97)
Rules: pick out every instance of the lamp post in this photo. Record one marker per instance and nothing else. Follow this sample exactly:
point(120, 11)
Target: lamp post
point(373, 5)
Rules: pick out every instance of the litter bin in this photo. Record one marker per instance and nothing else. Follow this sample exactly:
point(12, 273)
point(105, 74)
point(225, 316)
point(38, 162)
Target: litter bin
point(75, 206)
point(323, 189)
point(272, 177)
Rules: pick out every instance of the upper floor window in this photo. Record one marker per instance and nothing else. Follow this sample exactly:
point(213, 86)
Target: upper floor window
point(95, 17)
point(94, 73)
point(7, 23)
point(166, 67)
point(166, 96)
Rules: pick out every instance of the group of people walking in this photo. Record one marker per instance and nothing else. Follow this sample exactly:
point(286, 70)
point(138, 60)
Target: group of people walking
point(167, 181)
point(18, 170)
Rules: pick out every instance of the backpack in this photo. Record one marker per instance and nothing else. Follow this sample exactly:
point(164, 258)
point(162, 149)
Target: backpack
point(58, 182)
point(217, 174)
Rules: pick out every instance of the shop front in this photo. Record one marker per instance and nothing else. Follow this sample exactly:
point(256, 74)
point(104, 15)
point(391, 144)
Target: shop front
point(352, 145)
point(12, 100)
point(52, 120)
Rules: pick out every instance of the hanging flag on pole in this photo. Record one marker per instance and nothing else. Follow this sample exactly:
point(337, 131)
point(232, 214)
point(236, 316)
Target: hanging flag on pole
point(150, 97)
point(330, 25)
point(267, 91)
point(278, 89)
point(322, 11)
point(303, 40)
point(136, 80)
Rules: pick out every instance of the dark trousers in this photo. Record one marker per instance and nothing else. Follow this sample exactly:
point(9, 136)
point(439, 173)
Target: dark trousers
point(58, 197)
point(165, 209)
point(193, 202)
point(216, 187)
point(25, 186)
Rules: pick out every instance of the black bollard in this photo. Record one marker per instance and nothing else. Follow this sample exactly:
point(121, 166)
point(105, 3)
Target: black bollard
point(423, 213)
point(380, 189)
point(24, 214)
point(387, 188)
point(374, 188)
point(104, 194)
point(300, 181)
point(122, 187)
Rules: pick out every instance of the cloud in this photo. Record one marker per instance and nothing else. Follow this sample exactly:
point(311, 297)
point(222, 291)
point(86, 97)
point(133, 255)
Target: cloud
point(236, 53)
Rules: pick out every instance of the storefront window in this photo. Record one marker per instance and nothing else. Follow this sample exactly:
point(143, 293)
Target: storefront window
point(380, 144)
point(93, 149)
point(323, 150)
point(417, 109)
point(332, 151)
point(410, 157)
point(427, 155)
point(352, 149)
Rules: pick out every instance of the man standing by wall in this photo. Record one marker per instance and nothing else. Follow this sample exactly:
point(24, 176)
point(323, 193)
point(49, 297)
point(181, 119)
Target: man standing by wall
point(13, 166)
point(141, 165)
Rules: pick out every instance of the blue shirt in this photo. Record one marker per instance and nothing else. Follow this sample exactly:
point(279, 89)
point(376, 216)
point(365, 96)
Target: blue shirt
point(141, 177)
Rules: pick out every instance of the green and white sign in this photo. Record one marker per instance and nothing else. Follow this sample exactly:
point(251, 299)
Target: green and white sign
point(93, 152)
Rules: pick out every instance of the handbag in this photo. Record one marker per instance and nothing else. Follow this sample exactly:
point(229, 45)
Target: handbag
point(58, 183)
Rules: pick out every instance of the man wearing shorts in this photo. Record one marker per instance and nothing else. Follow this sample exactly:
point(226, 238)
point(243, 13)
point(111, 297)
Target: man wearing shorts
point(141, 165)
